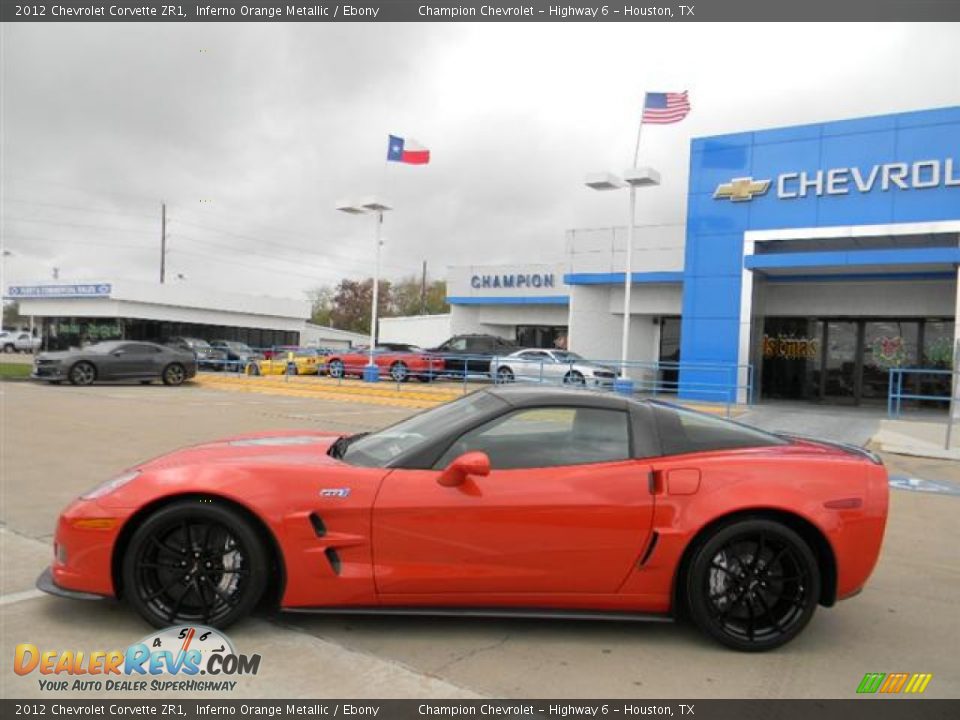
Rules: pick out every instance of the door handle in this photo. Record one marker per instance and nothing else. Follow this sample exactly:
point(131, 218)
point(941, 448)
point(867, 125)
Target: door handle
point(655, 482)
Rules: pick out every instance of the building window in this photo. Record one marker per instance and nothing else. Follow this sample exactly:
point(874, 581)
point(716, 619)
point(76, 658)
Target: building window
point(542, 336)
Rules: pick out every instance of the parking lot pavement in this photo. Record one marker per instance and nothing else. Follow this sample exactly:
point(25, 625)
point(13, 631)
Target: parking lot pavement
point(58, 441)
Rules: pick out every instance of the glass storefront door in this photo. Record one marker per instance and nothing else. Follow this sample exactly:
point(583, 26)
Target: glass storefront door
point(888, 344)
point(848, 360)
point(839, 381)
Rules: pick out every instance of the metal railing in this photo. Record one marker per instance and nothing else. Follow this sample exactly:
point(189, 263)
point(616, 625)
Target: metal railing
point(896, 394)
point(716, 383)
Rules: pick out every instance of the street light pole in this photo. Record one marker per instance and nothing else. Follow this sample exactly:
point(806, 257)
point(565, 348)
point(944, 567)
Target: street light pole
point(633, 178)
point(376, 289)
point(375, 207)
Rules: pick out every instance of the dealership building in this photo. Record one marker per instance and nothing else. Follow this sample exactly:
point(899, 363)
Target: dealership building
point(68, 314)
point(813, 259)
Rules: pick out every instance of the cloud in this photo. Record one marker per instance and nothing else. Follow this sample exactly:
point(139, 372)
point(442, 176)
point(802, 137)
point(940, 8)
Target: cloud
point(251, 133)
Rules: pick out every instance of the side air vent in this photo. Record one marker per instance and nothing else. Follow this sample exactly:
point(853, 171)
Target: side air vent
point(318, 527)
point(334, 559)
point(650, 548)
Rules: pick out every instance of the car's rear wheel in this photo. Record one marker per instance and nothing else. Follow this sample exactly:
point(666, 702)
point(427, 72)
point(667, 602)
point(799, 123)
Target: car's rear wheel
point(335, 368)
point(253, 369)
point(504, 375)
point(753, 585)
point(174, 374)
point(83, 373)
point(192, 562)
point(399, 372)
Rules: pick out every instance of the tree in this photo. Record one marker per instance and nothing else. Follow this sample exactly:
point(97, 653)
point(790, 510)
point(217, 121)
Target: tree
point(407, 297)
point(11, 315)
point(351, 304)
point(321, 304)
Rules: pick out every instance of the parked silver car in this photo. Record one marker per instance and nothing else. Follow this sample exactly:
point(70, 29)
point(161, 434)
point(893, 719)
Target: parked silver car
point(551, 366)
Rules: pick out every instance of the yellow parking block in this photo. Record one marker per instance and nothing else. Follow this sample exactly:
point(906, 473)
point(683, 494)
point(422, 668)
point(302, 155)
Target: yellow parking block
point(325, 389)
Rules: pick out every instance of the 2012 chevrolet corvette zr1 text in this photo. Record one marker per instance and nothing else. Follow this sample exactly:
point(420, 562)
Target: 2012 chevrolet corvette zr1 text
point(512, 500)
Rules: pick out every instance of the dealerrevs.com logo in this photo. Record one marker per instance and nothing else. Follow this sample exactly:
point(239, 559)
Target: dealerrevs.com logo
point(170, 660)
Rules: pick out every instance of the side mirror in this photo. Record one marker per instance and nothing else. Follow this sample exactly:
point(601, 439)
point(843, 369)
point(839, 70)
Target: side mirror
point(471, 463)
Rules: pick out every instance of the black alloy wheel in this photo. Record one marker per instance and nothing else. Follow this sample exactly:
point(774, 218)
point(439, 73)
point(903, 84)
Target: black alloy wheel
point(399, 372)
point(335, 368)
point(83, 373)
point(194, 563)
point(753, 585)
point(174, 374)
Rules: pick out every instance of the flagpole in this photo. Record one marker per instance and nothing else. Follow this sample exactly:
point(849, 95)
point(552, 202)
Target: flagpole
point(636, 151)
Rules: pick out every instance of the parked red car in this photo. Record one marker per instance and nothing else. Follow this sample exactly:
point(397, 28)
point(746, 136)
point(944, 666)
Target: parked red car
point(400, 365)
point(519, 501)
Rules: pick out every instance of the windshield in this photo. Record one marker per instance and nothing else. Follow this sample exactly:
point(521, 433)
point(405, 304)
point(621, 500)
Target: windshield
point(380, 448)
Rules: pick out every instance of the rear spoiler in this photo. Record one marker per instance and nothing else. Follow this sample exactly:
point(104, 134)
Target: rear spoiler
point(846, 447)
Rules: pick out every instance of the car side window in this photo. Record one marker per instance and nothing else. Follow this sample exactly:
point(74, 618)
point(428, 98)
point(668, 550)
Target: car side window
point(478, 345)
point(138, 349)
point(547, 437)
point(459, 345)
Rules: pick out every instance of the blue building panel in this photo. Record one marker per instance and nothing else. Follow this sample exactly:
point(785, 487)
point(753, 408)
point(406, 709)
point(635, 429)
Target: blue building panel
point(864, 171)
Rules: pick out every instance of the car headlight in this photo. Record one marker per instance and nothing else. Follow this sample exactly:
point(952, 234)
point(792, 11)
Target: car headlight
point(105, 488)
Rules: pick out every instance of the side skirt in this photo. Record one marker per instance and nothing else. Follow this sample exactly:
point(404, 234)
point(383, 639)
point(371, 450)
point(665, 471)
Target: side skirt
point(536, 613)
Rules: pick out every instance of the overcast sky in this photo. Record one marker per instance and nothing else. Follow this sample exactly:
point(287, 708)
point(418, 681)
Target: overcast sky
point(251, 133)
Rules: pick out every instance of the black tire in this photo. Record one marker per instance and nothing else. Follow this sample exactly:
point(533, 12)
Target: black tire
point(253, 369)
point(399, 372)
point(146, 382)
point(335, 369)
point(9, 348)
point(192, 562)
point(753, 585)
point(82, 373)
point(574, 377)
point(504, 375)
point(174, 374)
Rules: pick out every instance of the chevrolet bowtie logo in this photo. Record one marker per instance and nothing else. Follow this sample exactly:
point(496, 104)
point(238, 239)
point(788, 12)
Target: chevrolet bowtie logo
point(741, 189)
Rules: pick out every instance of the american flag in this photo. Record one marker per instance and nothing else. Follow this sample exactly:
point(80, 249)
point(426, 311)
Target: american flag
point(665, 108)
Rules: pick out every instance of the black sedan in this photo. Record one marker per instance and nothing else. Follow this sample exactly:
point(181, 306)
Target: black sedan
point(116, 360)
point(207, 355)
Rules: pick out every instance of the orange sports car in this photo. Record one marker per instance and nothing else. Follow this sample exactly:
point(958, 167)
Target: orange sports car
point(519, 501)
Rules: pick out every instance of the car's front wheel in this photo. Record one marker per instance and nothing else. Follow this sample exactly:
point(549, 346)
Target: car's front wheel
point(9, 348)
point(83, 373)
point(335, 368)
point(193, 562)
point(753, 585)
point(174, 374)
point(574, 377)
point(504, 375)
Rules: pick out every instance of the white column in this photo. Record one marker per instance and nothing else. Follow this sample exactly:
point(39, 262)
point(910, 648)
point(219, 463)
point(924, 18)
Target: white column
point(746, 321)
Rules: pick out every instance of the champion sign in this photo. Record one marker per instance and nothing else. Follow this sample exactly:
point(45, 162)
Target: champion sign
point(920, 175)
point(513, 281)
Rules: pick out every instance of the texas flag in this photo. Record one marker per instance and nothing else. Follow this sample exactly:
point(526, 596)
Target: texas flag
point(407, 150)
